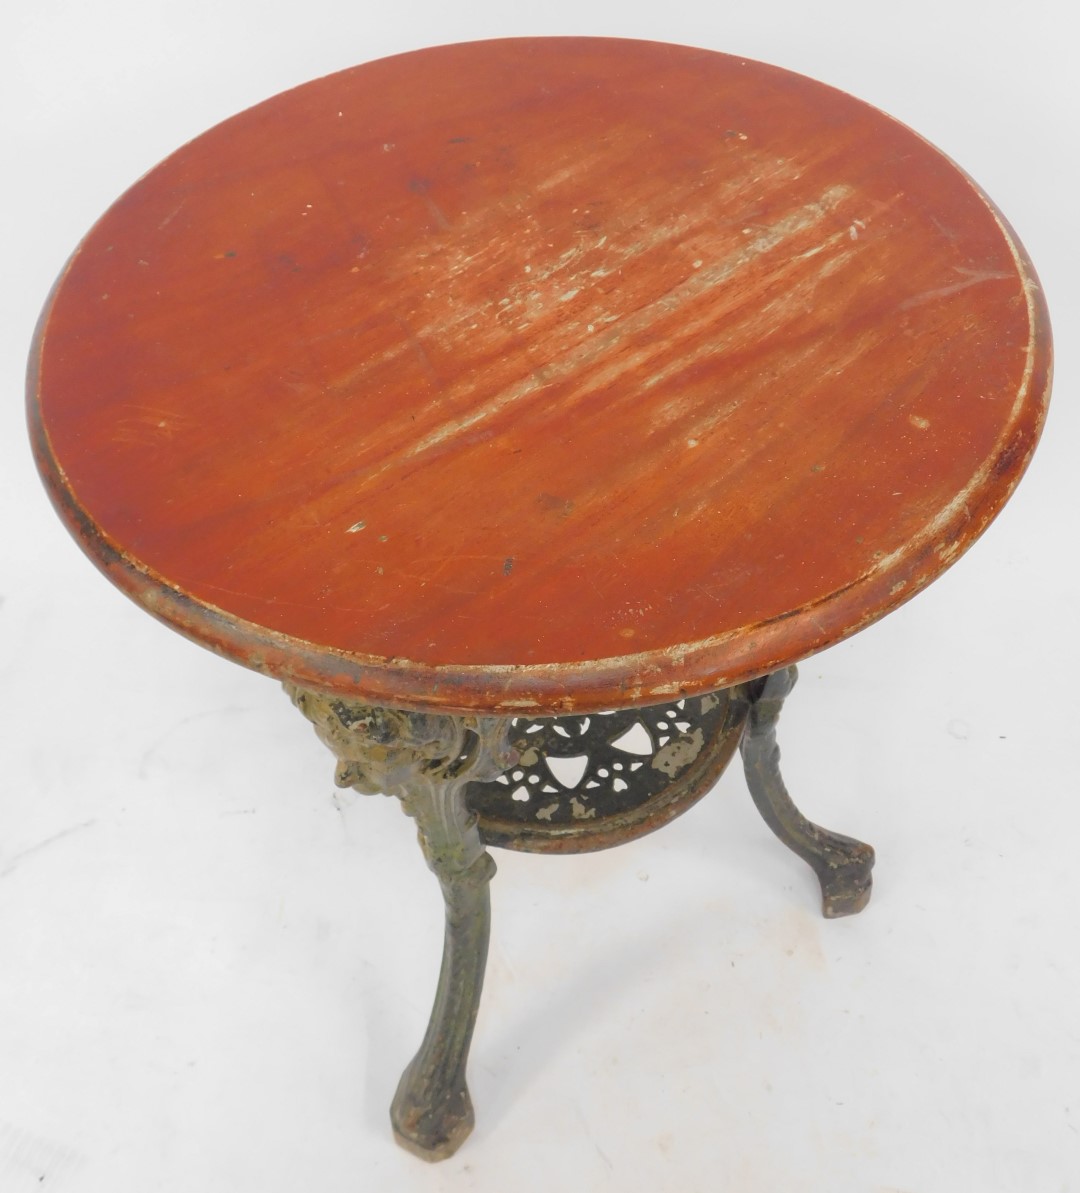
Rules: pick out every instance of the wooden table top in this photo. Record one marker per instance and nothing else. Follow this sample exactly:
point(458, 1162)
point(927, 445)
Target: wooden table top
point(539, 375)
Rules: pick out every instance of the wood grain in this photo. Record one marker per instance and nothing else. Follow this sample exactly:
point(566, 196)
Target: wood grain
point(546, 374)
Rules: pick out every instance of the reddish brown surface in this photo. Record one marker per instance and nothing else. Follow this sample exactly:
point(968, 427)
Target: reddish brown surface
point(554, 373)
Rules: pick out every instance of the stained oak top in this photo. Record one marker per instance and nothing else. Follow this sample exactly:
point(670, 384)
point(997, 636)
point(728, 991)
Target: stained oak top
point(539, 374)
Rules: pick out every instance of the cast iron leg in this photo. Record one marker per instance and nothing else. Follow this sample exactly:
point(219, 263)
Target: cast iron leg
point(427, 761)
point(432, 1112)
point(842, 864)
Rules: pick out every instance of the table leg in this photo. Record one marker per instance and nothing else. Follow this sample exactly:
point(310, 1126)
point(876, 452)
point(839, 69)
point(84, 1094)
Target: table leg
point(427, 761)
point(432, 1112)
point(842, 864)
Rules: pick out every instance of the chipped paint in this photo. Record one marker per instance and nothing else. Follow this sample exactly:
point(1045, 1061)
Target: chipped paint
point(579, 811)
point(679, 753)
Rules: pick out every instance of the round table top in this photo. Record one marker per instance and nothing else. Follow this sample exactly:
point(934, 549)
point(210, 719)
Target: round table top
point(539, 375)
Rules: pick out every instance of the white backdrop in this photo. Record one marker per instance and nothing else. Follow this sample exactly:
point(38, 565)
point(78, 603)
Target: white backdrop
point(213, 966)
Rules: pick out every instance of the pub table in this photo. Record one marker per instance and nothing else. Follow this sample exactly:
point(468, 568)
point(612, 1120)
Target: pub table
point(530, 408)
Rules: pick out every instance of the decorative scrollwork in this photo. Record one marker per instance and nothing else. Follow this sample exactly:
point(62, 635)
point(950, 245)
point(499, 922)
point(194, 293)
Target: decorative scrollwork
point(576, 776)
point(424, 759)
point(551, 784)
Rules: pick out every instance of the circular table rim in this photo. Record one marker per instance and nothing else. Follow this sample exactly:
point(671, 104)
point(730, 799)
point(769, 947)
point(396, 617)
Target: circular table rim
point(589, 685)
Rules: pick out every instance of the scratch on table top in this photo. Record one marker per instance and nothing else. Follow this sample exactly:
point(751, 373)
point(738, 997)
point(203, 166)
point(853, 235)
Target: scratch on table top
point(589, 352)
point(972, 277)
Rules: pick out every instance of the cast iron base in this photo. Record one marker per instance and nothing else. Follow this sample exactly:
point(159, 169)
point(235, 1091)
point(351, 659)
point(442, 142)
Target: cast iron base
point(471, 782)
